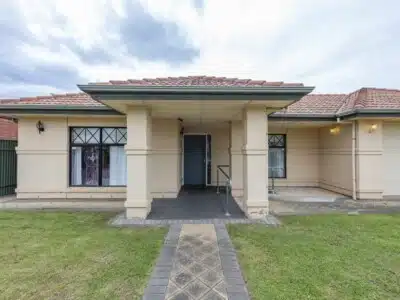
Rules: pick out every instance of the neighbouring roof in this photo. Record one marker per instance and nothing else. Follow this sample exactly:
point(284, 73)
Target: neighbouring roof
point(198, 81)
point(8, 129)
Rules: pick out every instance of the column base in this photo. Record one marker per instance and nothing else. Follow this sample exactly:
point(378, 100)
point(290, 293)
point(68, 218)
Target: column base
point(257, 210)
point(136, 212)
point(369, 195)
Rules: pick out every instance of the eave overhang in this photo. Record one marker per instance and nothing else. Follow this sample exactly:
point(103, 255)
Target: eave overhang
point(126, 92)
point(301, 117)
point(370, 113)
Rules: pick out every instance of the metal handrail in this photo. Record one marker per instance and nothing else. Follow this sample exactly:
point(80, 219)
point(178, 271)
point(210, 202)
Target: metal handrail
point(274, 171)
point(228, 186)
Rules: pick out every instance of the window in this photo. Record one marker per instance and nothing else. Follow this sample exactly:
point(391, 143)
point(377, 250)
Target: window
point(277, 156)
point(97, 156)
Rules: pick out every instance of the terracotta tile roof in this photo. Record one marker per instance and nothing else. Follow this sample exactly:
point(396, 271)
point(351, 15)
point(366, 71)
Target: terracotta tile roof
point(316, 104)
point(8, 129)
point(77, 99)
point(323, 104)
point(371, 98)
point(210, 81)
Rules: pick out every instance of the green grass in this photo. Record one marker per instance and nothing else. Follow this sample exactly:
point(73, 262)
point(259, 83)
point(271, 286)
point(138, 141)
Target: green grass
point(74, 256)
point(322, 257)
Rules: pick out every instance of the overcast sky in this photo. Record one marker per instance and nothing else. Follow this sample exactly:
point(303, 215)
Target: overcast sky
point(49, 46)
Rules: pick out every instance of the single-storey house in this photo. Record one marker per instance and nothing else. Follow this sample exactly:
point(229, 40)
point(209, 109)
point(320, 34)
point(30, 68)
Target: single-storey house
point(142, 139)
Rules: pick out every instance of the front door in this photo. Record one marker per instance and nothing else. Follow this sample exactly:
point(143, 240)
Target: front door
point(194, 160)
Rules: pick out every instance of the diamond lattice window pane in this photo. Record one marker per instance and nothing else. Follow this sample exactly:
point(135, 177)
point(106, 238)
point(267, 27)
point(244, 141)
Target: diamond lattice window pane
point(276, 140)
point(92, 135)
point(78, 135)
point(109, 135)
point(121, 135)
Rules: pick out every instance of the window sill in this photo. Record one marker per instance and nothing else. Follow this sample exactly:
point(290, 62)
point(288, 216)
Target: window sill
point(98, 189)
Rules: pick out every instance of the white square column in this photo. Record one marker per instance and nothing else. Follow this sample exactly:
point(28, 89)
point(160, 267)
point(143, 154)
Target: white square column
point(138, 146)
point(236, 159)
point(255, 162)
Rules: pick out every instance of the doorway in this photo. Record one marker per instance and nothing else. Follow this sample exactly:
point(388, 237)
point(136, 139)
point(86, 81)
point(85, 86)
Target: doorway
point(196, 160)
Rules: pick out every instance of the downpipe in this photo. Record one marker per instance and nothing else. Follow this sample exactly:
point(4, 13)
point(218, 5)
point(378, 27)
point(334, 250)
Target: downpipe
point(353, 158)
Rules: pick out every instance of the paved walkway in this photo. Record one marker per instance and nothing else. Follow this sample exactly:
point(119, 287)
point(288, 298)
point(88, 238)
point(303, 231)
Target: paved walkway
point(198, 261)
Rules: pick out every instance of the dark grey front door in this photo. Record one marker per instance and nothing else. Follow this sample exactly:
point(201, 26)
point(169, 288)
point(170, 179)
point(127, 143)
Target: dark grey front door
point(194, 160)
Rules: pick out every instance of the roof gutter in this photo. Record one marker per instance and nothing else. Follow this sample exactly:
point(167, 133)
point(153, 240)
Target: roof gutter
point(91, 88)
point(369, 113)
point(302, 117)
point(143, 93)
point(363, 113)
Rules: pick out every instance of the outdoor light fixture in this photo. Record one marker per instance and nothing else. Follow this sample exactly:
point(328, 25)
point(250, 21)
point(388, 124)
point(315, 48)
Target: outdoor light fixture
point(40, 127)
point(182, 130)
point(373, 127)
point(334, 130)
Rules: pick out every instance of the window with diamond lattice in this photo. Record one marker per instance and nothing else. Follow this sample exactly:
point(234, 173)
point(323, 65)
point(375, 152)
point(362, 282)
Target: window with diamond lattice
point(97, 156)
point(277, 156)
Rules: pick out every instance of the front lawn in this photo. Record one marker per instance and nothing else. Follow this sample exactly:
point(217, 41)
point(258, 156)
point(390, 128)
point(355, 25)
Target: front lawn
point(49, 255)
point(322, 257)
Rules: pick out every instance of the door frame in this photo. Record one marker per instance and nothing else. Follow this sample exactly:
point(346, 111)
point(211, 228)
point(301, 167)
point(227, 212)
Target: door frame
point(205, 134)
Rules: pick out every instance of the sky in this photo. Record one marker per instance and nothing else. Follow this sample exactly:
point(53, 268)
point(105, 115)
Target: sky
point(338, 46)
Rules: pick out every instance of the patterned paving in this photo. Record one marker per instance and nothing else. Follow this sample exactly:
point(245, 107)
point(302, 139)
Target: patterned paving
point(121, 220)
point(197, 262)
point(197, 271)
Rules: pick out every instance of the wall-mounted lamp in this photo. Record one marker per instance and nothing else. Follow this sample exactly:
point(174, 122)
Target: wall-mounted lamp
point(40, 127)
point(182, 129)
point(335, 130)
point(372, 128)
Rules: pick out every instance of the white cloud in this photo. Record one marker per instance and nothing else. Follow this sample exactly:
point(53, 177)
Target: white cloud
point(330, 44)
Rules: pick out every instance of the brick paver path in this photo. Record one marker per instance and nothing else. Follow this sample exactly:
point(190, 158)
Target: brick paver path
point(198, 261)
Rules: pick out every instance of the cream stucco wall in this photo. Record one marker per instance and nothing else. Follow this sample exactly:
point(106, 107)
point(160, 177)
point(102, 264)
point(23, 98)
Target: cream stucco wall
point(43, 164)
point(302, 157)
point(335, 162)
point(391, 159)
point(314, 157)
point(302, 162)
point(369, 160)
point(165, 158)
point(43, 159)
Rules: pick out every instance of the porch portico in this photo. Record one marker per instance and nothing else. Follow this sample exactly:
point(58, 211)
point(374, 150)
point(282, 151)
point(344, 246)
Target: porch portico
point(159, 118)
point(248, 166)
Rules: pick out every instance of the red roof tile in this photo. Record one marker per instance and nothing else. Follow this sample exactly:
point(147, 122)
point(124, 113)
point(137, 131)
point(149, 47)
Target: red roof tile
point(371, 98)
point(316, 104)
point(77, 99)
point(8, 129)
point(210, 81)
point(324, 104)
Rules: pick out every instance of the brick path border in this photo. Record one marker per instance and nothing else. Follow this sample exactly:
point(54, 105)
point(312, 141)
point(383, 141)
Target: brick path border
point(235, 284)
point(157, 286)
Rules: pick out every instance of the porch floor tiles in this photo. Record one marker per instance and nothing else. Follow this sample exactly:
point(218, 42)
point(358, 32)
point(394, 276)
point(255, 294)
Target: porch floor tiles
point(197, 262)
point(192, 203)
